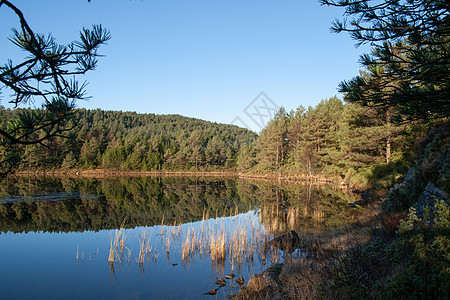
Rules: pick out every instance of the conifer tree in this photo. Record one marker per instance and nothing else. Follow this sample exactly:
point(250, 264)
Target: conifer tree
point(410, 61)
point(47, 76)
point(272, 143)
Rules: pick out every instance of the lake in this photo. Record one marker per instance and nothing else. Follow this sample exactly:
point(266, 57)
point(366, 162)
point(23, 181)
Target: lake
point(152, 237)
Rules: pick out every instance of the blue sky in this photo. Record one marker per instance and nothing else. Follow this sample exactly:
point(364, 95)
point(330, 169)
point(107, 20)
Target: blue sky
point(206, 59)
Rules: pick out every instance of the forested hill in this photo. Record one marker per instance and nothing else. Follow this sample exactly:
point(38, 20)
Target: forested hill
point(131, 141)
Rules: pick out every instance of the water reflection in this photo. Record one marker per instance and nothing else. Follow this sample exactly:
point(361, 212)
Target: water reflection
point(154, 237)
point(65, 204)
point(141, 201)
point(226, 242)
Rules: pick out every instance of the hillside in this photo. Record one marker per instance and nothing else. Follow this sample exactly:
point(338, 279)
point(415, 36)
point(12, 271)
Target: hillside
point(131, 141)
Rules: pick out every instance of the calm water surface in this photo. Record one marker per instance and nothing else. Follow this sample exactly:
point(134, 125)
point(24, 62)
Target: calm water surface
point(174, 236)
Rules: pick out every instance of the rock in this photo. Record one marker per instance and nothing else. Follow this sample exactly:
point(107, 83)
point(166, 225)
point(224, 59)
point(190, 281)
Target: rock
point(265, 285)
point(410, 175)
point(240, 280)
point(221, 282)
point(287, 242)
point(268, 279)
point(407, 180)
point(430, 195)
point(402, 195)
point(211, 292)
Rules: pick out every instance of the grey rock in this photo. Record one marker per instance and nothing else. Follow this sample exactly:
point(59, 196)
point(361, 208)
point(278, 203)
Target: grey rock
point(428, 198)
point(410, 175)
point(407, 181)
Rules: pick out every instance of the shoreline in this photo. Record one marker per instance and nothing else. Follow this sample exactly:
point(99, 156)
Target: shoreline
point(106, 173)
point(102, 173)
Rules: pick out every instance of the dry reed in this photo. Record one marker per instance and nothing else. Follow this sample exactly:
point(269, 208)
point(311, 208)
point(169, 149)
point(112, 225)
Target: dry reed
point(116, 243)
point(235, 238)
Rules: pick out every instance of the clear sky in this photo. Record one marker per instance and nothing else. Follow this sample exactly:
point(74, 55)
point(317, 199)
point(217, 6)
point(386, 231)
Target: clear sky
point(206, 59)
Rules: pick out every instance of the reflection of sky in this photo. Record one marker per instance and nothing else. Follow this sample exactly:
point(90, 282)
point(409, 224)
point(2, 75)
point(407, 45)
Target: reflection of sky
point(40, 264)
point(44, 265)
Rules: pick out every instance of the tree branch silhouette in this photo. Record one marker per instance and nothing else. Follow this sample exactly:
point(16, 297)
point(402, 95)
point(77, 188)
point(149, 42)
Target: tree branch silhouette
point(48, 74)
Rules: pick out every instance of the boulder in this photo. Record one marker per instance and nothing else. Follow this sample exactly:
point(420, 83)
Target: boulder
point(407, 181)
point(287, 242)
point(428, 198)
point(267, 280)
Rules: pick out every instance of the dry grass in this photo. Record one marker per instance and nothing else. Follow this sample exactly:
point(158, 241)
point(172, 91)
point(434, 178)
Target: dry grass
point(241, 239)
point(307, 276)
point(238, 240)
point(117, 246)
point(145, 247)
point(190, 247)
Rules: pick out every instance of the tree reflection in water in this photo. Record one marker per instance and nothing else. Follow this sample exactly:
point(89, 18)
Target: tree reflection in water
point(180, 220)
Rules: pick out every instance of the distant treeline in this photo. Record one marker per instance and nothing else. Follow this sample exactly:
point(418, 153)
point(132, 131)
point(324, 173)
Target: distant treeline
point(131, 141)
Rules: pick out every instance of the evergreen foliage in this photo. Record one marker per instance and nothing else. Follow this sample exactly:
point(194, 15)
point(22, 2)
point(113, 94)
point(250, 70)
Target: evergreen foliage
point(98, 204)
point(47, 75)
point(130, 141)
point(409, 64)
point(332, 139)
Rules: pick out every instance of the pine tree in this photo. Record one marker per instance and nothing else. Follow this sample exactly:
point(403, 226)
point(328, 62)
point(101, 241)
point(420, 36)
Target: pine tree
point(47, 74)
point(69, 161)
point(410, 59)
point(273, 143)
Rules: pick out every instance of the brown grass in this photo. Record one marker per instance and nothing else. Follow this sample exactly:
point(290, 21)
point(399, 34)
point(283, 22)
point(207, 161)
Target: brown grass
point(310, 276)
point(116, 241)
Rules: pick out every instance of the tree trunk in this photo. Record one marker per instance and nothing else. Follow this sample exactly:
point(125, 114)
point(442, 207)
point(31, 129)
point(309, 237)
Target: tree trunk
point(278, 157)
point(388, 150)
point(309, 166)
point(388, 138)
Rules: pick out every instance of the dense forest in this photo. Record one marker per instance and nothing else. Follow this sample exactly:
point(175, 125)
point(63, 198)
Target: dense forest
point(131, 141)
point(333, 139)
